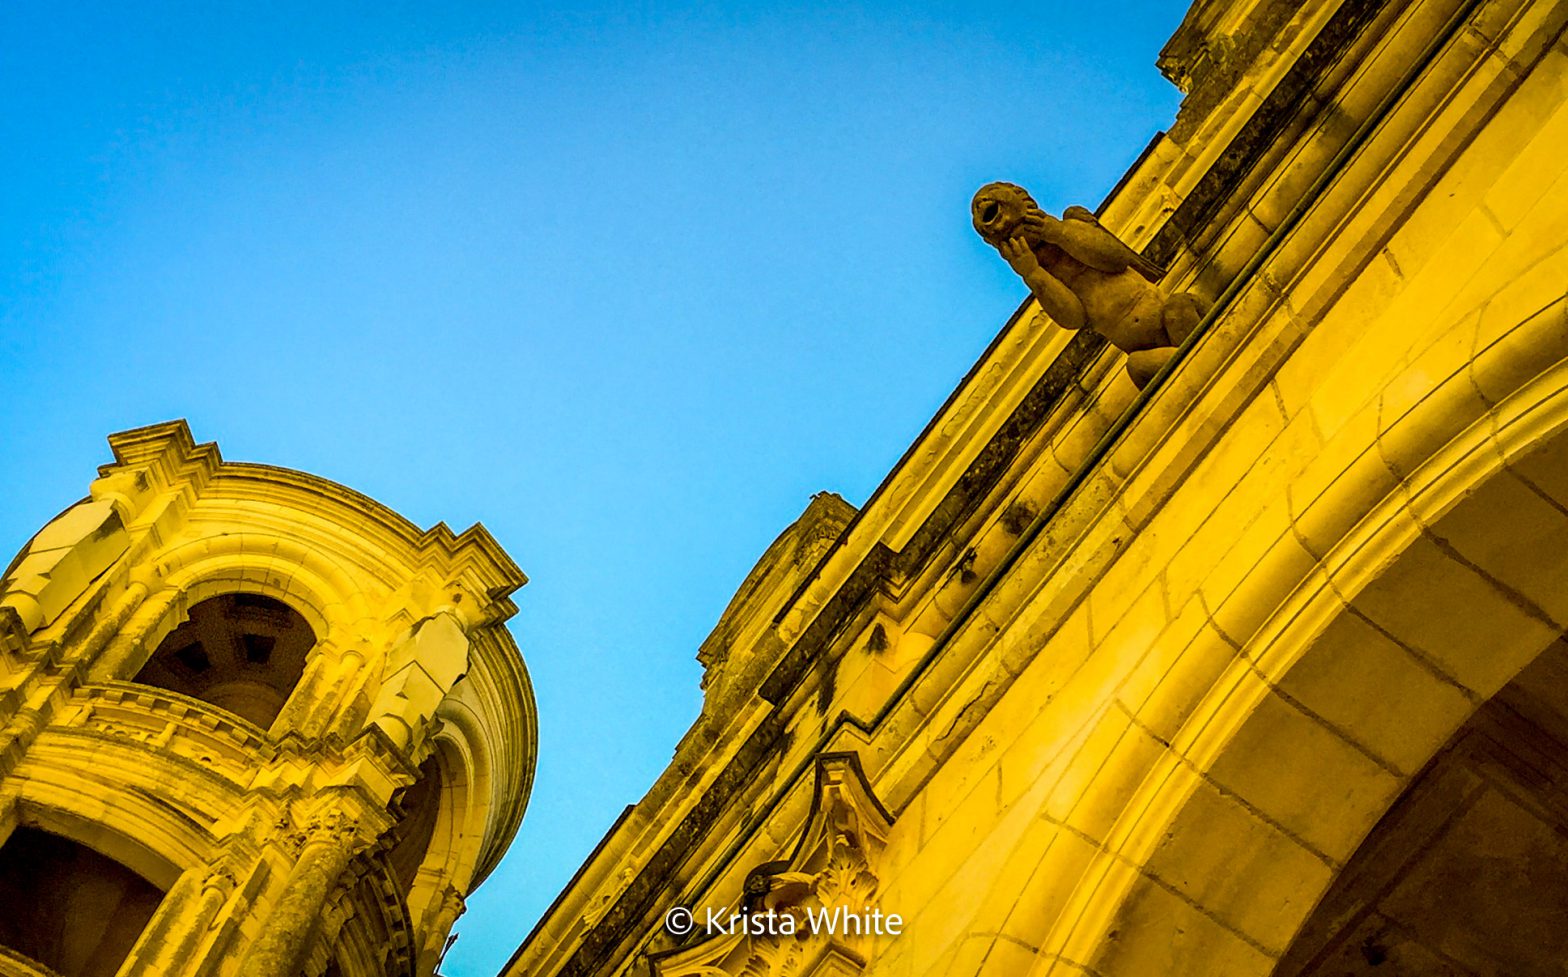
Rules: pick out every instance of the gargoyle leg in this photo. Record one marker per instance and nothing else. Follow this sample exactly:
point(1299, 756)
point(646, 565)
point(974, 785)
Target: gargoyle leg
point(1181, 315)
point(1145, 363)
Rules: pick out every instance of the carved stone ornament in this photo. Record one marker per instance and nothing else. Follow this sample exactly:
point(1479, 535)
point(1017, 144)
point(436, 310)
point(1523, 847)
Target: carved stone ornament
point(834, 867)
point(329, 828)
point(1085, 276)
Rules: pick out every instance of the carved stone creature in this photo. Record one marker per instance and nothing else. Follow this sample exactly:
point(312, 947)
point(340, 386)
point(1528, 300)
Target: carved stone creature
point(1083, 275)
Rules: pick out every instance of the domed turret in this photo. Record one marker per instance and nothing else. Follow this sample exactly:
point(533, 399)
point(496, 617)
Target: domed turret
point(249, 714)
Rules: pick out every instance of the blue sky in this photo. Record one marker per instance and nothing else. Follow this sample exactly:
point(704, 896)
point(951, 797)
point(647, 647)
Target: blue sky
point(627, 283)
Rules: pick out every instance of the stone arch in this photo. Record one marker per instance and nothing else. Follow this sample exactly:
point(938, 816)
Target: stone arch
point(446, 853)
point(497, 748)
point(68, 906)
point(312, 585)
point(412, 839)
point(432, 861)
point(151, 839)
point(331, 599)
point(1419, 582)
point(305, 578)
point(239, 651)
point(453, 852)
point(374, 938)
point(1468, 871)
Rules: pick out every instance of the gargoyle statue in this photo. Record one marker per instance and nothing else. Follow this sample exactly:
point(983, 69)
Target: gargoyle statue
point(1083, 275)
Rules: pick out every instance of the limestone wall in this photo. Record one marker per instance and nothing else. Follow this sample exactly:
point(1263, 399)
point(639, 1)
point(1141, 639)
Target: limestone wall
point(1133, 676)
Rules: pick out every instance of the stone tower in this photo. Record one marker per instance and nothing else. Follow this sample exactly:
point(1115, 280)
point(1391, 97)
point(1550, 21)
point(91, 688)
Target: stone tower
point(251, 723)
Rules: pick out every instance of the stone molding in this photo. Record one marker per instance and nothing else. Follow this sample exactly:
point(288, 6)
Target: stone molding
point(836, 864)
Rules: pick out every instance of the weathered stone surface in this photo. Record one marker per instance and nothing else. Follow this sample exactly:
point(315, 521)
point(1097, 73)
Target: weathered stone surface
point(222, 736)
point(1138, 685)
point(1258, 672)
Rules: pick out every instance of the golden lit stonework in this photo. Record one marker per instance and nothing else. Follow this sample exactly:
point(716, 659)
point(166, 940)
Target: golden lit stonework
point(1249, 664)
point(253, 723)
point(1256, 670)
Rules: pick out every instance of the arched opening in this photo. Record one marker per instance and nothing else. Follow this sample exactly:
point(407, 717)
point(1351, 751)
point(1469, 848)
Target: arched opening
point(1378, 628)
point(419, 810)
point(240, 652)
point(69, 908)
point(1467, 874)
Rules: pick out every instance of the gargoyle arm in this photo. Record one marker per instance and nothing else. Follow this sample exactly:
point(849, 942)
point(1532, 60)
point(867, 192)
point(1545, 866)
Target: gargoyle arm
point(1085, 238)
point(1054, 297)
point(1058, 301)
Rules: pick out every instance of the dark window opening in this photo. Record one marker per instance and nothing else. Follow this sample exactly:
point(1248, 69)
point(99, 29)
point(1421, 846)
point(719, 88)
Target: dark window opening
point(258, 647)
point(240, 652)
point(65, 906)
point(194, 657)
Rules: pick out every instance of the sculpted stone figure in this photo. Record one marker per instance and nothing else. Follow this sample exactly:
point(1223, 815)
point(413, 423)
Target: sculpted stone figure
point(1083, 275)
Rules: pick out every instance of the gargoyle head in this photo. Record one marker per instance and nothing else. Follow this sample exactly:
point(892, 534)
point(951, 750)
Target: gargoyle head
point(999, 209)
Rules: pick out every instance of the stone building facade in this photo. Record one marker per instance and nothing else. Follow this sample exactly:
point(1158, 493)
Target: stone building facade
point(1256, 670)
point(252, 723)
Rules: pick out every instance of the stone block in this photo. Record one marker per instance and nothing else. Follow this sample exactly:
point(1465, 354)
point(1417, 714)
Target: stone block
point(1376, 693)
point(1298, 773)
point(1223, 851)
point(1157, 932)
point(1454, 618)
